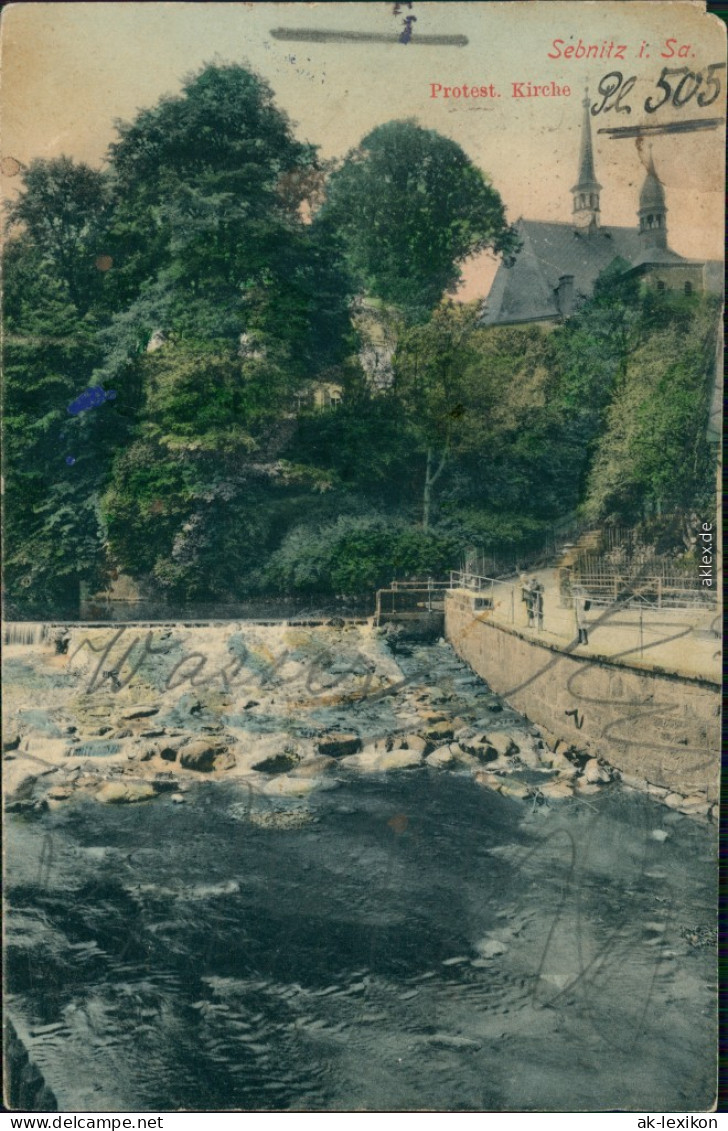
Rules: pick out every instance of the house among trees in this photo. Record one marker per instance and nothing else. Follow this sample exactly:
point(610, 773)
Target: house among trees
point(559, 263)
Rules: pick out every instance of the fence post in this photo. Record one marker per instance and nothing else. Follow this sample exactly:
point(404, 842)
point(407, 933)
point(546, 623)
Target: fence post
point(659, 592)
point(513, 606)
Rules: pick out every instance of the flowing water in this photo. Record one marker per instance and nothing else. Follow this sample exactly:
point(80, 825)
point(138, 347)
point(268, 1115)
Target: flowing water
point(398, 941)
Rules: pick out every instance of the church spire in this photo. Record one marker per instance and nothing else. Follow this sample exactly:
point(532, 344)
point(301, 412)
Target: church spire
point(653, 209)
point(586, 191)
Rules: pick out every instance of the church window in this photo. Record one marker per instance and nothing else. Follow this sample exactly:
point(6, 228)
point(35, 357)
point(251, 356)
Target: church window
point(661, 286)
point(688, 288)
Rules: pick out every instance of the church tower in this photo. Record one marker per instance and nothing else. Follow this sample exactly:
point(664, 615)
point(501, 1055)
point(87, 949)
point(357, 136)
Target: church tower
point(586, 191)
point(653, 210)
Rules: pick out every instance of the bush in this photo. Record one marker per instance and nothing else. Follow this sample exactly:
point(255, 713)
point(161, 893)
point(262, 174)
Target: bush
point(355, 555)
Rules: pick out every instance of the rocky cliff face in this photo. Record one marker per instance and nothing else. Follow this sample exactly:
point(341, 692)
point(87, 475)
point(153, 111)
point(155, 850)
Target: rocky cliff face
point(24, 1088)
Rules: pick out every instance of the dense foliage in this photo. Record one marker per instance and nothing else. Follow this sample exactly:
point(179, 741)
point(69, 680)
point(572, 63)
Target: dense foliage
point(247, 448)
point(409, 206)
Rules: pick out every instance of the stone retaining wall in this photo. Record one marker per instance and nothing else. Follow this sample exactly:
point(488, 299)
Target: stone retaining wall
point(656, 726)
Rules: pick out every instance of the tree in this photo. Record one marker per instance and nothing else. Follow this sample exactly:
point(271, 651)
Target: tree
point(207, 197)
point(54, 463)
point(429, 368)
point(652, 455)
point(409, 206)
point(63, 207)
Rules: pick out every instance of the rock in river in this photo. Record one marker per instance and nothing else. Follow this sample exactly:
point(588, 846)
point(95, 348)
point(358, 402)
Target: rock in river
point(201, 755)
point(121, 793)
point(339, 744)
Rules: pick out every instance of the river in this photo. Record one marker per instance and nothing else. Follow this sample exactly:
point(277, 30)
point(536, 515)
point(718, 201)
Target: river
point(393, 941)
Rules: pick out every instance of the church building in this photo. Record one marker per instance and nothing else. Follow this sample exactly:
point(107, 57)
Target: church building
point(559, 263)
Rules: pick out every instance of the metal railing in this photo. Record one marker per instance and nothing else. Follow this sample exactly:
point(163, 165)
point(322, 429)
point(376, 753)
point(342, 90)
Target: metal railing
point(465, 579)
point(658, 592)
point(420, 585)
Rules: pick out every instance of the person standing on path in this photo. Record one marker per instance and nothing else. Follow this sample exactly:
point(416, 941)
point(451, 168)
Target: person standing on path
point(537, 590)
point(529, 597)
point(581, 607)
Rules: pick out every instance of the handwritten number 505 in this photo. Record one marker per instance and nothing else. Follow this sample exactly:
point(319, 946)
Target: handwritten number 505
point(687, 87)
point(614, 87)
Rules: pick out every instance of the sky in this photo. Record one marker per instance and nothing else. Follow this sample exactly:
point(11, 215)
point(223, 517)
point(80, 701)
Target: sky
point(69, 70)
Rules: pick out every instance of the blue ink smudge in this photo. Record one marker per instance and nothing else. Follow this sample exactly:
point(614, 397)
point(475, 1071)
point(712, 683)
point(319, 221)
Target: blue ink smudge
point(90, 398)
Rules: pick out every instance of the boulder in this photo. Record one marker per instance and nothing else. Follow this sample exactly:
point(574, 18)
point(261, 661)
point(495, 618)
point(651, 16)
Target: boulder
point(413, 742)
point(596, 774)
point(490, 781)
point(431, 717)
point(529, 753)
point(285, 786)
point(674, 800)
point(364, 762)
point(517, 789)
point(398, 759)
point(12, 742)
point(200, 755)
point(47, 749)
point(124, 793)
point(313, 767)
point(439, 732)
point(555, 760)
point(557, 790)
point(631, 781)
point(502, 743)
point(59, 792)
point(169, 748)
point(339, 744)
point(443, 756)
point(278, 763)
point(586, 788)
point(140, 713)
point(695, 806)
point(452, 754)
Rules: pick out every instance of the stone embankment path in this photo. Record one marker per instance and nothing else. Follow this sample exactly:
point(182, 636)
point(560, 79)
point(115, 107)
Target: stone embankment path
point(685, 642)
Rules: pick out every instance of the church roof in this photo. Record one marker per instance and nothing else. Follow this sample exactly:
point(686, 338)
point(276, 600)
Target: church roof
point(535, 288)
point(587, 177)
point(526, 292)
point(652, 196)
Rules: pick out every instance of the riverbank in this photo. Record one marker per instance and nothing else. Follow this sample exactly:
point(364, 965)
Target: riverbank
point(127, 716)
point(659, 730)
